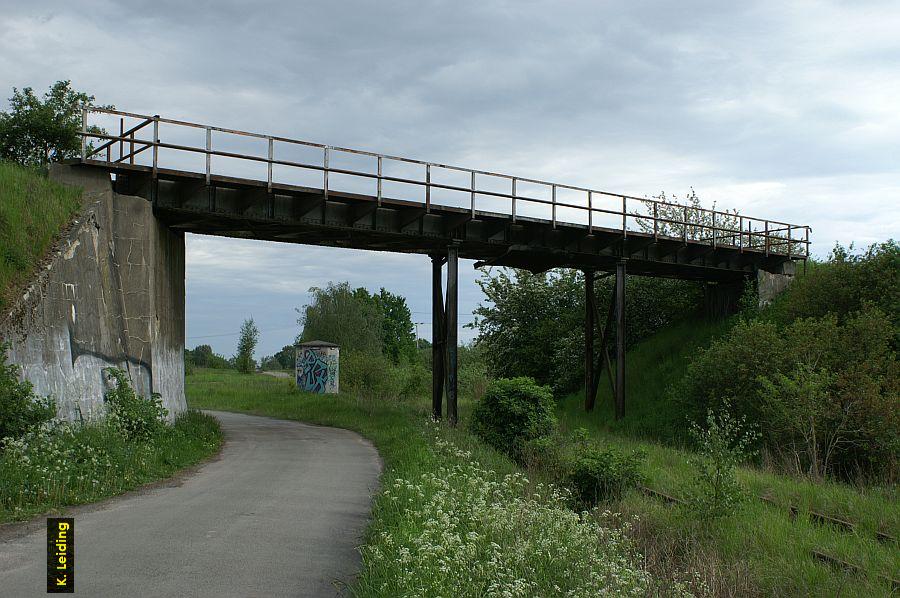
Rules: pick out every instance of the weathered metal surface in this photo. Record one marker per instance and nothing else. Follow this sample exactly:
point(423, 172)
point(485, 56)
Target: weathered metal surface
point(437, 337)
point(451, 319)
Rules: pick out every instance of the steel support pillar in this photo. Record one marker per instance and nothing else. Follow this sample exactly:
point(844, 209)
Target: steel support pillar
point(437, 337)
point(451, 320)
point(590, 309)
point(620, 340)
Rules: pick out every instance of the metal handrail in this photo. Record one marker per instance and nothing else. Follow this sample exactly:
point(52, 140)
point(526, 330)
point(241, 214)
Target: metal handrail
point(771, 236)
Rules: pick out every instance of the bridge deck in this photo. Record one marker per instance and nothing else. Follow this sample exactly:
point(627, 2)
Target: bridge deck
point(593, 231)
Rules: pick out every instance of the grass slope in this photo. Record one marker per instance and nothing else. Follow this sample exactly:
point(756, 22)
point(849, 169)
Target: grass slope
point(649, 369)
point(761, 549)
point(33, 212)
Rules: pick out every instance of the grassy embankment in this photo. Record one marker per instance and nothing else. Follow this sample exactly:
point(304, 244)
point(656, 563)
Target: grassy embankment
point(761, 549)
point(33, 212)
point(453, 517)
point(57, 465)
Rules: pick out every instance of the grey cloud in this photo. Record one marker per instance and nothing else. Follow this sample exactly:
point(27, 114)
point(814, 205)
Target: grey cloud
point(783, 110)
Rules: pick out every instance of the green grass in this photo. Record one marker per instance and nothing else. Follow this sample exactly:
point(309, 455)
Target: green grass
point(649, 368)
point(33, 212)
point(454, 516)
point(74, 464)
point(761, 541)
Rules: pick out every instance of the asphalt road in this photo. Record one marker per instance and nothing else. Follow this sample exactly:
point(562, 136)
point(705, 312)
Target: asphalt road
point(279, 513)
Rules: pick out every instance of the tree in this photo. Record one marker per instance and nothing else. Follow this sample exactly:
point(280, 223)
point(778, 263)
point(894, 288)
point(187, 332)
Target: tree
point(37, 131)
point(246, 345)
point(344, 316)
point(533, 324)
point(398, 339)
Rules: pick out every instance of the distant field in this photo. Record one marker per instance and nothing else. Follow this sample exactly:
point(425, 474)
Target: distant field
point(33, 212)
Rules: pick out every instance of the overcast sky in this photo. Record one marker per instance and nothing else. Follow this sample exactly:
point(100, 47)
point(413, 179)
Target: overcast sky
point(785, 110)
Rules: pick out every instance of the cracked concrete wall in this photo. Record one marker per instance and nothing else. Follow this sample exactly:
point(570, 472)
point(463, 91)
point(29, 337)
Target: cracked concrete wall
point(112, 295)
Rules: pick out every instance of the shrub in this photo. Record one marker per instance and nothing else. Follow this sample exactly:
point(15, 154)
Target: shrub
point(722, 444)
point(20, 408)
point(370, 377)
point(414, 381)
point(730, 367)
point(546, 455)
point(134, 416)
point(513, 411)
point(598, 474)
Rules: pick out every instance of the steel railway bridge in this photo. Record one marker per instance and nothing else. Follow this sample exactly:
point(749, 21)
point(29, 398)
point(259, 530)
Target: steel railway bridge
point(216, 181)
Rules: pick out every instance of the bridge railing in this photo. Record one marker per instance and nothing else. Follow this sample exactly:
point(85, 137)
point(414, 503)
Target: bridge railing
point(381, 176)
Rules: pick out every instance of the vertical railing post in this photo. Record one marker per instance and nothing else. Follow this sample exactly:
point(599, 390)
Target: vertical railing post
point(121, 138)
point(684, 232)
point(714, 229)
point(741, 233)
point(325, 171)
point(271, 158)
point(155, 145)
point(590, 212)
point(767, 237)
point(472, 197)
point(428, 187)
point(789, 240)
point(379, 181)
point(84, 119)
point(655, 221)
point(208, 154)
point(807, 244)
point(553, 203)
point(624, 217)
point(514, 200)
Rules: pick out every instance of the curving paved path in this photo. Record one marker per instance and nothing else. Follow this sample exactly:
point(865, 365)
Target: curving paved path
point(279, 513)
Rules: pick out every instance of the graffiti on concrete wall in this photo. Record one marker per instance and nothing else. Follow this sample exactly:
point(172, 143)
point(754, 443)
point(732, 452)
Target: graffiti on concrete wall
point(317, 370)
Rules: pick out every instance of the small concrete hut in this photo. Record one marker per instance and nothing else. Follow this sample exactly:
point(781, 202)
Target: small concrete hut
point(318, 367)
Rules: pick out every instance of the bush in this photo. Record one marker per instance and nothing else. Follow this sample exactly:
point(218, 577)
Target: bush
point(512, 412)
point(598, 474)
point(61, 463)
point(722, 445)
point(20, 408)
point(133, 415)
point(824, 389)
point(414, 381)
point(546, 455)
point(370, 377)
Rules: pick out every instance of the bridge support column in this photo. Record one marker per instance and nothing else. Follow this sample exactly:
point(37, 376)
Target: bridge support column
point(589, 325)
point(620, 340)
point(437, 337)
point(451, 332)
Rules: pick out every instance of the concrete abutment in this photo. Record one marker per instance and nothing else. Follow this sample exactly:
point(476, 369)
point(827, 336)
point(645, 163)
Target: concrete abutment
point(111, 295)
